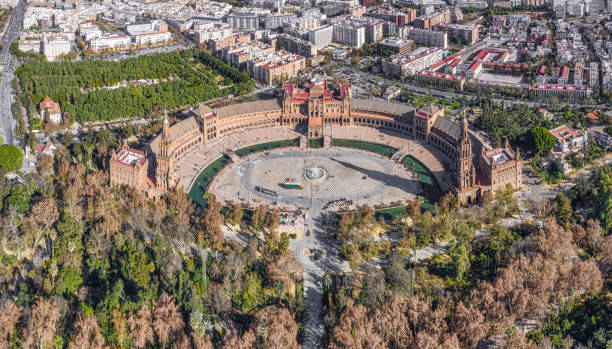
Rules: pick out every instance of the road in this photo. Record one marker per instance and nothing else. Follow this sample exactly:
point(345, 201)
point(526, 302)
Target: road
point(7, 122)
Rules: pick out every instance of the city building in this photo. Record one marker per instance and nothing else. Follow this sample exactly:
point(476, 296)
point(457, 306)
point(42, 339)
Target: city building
point(347, 33)
point(243, 21)
point(561, 92)
point(55, 46)
point(467, 33)
point(440, 80)
point(110, 42)
point(219, 44)
point(129, 167)
point(50, 110)
point(424, 37)
point(568, 140)
point(278, 20)
point(280, 70)
point(474, 70)
point(419, 59)
point(321, 36)
point(211, 31)
point(296, 45)
point(395, 46)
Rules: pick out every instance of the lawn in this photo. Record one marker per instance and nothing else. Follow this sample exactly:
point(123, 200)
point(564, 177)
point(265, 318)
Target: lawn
point(203, 181)
point(242, 152)
point(432, 189)
point(373, 147)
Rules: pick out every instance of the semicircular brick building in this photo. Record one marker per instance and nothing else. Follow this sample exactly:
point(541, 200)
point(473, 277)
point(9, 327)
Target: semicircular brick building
point(475, 167)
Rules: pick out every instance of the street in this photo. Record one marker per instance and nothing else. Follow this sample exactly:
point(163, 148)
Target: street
point(7, 122)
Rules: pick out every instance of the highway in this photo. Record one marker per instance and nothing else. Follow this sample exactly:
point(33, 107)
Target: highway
point(7, 123)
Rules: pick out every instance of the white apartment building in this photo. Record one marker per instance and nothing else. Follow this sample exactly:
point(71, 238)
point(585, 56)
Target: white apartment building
point(417, 60)
point(212, 31)
point(243, 21)
point(593, 74)
point(89, 31)
point(110, 42)
point(277, 21)
point(424, 37)
point(52, 47)
point(349, 33)
point(321, 36)
point(152, 38)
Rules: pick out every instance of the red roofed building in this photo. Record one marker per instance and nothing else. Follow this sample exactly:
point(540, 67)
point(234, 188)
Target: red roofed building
point(50, 110)
point(318, 103)
point(474, 70)
point(563, 75)
point(568, 139)
point(128, 167)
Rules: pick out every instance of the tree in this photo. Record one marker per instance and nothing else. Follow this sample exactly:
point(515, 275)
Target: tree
point(5, 186)
point(259, 216)
point(282, 330)
point(20, 197)
point(469, 325)
point(543, 140)
point(355, 329)
point(42, 326)
point(45, 213)
point(234, 214)
point(459, 252)
point(141, 331)
point(11, 157)
point(9, 317)
point(167, 318)
point(88, 333)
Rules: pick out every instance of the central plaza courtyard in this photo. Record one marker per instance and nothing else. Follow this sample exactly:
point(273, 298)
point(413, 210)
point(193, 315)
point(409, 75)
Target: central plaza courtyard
point(346, 178)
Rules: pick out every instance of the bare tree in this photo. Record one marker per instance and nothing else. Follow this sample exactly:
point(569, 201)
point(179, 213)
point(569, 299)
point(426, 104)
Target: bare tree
point(41, 329)
point(233, 341)
point(9, 317)
point(282, 330)
point(88, 333)
point(141, 331)
point(45, 213)
point(167, 319)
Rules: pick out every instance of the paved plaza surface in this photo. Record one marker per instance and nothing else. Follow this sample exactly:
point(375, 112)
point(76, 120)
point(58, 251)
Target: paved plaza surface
point(357, 177)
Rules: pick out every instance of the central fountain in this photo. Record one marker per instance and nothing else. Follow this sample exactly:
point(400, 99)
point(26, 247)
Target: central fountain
point(315, 174)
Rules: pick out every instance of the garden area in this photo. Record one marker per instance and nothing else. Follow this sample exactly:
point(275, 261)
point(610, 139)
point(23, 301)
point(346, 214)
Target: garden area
point(372, 147)
point(203, 181)
point(99, 90)
point(242, 152)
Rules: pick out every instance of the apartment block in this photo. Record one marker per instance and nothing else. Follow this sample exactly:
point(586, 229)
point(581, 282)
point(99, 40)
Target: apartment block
point(221, 43)
point(296, 45)
point(321, 36)
point(211, 31)
point(424, 37)
point(418, 60)
point(243, 21)
point(396, 46)
point(349, 33)
point(277, 21)
point(280, 70)
point(467, 33)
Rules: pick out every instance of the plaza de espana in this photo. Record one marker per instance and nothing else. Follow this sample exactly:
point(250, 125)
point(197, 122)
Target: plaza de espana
point(477, 169)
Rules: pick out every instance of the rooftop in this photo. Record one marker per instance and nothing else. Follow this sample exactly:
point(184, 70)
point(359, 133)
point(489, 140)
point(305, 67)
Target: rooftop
point(131, 157)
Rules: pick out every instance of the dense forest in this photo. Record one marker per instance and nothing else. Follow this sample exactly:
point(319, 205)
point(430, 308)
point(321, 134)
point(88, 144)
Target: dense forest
point(84, 265)
point(183, 78)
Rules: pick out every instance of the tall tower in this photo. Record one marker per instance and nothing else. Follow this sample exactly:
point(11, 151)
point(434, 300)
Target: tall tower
point(466, 173)
point(164, 163)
